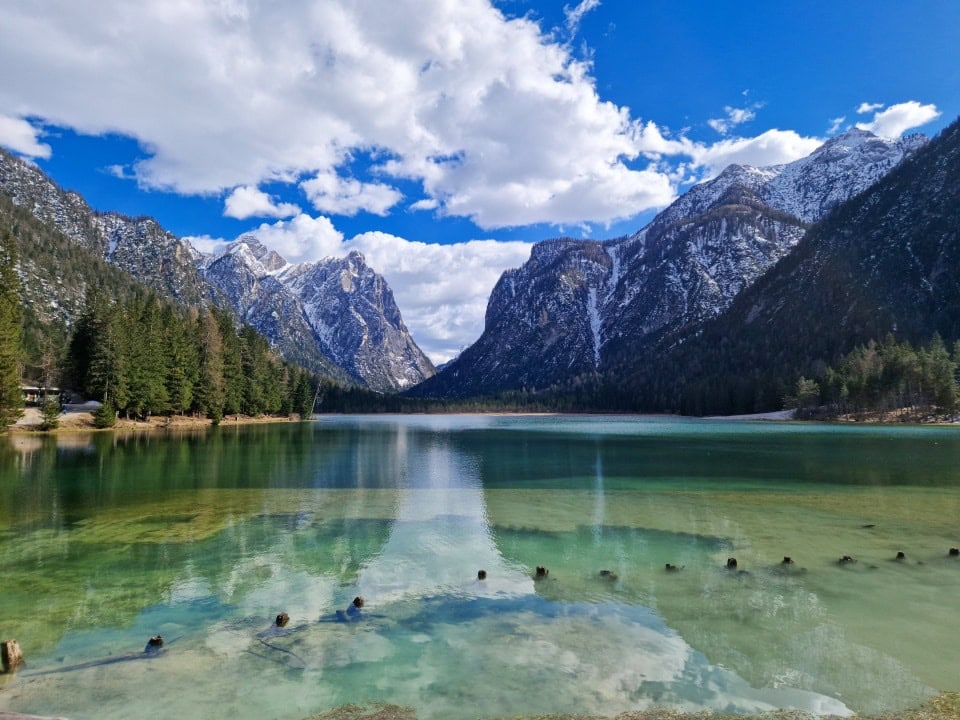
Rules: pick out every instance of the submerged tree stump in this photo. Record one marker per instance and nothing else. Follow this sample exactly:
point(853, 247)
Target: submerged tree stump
point(11, 655)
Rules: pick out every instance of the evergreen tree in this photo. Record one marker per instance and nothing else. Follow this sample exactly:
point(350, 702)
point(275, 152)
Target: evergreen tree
point(11, 327)
point(231, 364)
point(106, 377)
point(303, 396)
point(210, 386)
point(183, 368)
point(50, 411)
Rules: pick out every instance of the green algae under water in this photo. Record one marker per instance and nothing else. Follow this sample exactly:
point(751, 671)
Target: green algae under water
point(107, 540)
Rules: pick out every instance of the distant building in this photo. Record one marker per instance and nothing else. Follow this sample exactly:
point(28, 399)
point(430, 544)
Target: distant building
point(33, 394)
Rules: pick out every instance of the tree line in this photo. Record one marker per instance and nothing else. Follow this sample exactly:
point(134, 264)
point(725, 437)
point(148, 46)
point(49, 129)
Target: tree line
point(147, 357)
point(885, 378)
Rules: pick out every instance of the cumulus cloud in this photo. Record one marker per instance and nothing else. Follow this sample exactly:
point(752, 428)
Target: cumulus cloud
point(21, 137)
point(302, 238)
point(772, 147)
point(246, 202)
point(442, 290)
point(866, 107)
point(897, 119)
point(495, 117)
point(345, 196)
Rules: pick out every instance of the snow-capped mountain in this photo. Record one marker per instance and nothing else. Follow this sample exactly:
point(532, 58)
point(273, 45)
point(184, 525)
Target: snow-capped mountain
point(335, 316)
point(579, 306)
point(884, 262)
point(153, 256)
point(337, 306)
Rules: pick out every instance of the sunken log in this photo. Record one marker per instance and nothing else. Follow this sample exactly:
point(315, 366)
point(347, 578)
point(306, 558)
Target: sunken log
point(11, 655)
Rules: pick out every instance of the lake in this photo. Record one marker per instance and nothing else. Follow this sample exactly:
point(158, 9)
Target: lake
point(107, 540)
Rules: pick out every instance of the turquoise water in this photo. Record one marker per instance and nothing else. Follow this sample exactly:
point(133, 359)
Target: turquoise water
point(107, 540)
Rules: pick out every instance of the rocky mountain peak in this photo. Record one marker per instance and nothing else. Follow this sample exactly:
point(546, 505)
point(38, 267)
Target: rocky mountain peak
point(256, 255)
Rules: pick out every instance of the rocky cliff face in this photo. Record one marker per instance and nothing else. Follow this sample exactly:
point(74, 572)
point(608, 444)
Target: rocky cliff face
point(578, 306)
point(336, 308)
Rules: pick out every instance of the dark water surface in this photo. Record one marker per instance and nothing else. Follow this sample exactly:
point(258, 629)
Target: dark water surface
point(106, 540)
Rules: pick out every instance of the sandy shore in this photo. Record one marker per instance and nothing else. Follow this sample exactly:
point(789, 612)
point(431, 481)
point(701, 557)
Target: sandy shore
point(74, 421)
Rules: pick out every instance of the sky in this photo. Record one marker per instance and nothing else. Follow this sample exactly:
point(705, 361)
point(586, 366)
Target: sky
point(442, 137)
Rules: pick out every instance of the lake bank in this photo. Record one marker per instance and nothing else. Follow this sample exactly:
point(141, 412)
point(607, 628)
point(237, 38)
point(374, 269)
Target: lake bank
point(82, 422)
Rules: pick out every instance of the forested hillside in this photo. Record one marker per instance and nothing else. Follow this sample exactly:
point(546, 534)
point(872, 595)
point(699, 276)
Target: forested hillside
point(886, 262)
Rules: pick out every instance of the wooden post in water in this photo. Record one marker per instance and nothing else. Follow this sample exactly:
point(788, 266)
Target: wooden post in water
point(11, 655)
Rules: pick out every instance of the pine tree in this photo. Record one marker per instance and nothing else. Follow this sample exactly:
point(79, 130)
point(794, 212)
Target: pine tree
point(303, 396)
point(11, 328)
point(210, 388)
point(182, 361)
point(231, 363)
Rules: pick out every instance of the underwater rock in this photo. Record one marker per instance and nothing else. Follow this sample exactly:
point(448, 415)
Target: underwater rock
point(609, 575)
point(542, 572)
point(482, 575)
point(282, 620)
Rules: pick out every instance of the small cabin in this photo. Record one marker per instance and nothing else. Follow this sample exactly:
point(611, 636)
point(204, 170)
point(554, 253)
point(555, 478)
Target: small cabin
point(33, 394)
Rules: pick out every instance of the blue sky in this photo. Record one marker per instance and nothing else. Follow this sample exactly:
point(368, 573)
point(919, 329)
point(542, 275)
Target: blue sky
point(326, 124)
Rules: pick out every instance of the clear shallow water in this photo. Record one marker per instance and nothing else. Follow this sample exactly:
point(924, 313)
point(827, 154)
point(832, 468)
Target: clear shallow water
point(105, 541)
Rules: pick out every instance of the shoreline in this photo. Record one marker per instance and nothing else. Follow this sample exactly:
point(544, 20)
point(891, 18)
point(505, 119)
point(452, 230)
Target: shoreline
point(82, 422)
point(76, 422)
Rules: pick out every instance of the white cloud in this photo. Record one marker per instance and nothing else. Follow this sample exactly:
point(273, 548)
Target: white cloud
point(575, 15)
point(495, 117)
point(835, 124)
point(345, 196)
point(735, 116)
point(442, 290)
point(302, 238)
point(897, 119)
point(206, 243)
point(21, 137)
point(246, 202)
point(425, 204)
point(866, 107)
point(772, 147)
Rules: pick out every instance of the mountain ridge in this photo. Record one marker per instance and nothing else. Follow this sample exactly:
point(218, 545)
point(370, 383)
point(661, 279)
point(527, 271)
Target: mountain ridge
point(685, 267)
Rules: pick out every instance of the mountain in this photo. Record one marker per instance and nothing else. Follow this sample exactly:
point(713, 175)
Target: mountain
point(55, 275)
point(884, 262)
point(580, 306)
point(339, 309)
point(140, 246)
point(337, 317)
